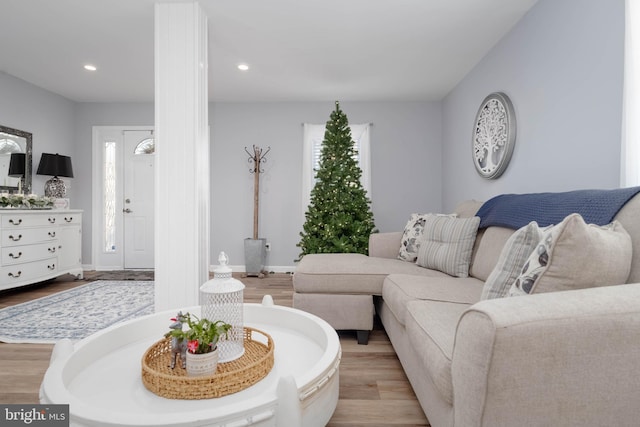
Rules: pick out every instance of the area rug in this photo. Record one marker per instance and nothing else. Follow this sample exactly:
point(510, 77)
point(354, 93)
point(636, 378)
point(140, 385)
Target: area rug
point(76, 313)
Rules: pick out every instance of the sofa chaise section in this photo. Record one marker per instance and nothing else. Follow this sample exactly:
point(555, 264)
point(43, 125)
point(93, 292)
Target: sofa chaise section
point(340, 288)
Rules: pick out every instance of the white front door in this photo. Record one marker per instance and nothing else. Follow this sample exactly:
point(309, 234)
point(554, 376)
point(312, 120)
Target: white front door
point(138, 199)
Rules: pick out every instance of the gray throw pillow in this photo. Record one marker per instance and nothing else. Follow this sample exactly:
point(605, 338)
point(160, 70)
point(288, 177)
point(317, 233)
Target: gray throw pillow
point(514, 254)
point(447, 244)
point(412, 235)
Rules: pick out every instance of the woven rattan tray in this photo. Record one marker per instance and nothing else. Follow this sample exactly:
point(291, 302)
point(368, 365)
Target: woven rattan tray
point(230, 377)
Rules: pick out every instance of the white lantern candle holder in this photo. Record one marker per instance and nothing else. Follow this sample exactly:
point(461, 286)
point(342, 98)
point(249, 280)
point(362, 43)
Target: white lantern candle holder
point(221, 298)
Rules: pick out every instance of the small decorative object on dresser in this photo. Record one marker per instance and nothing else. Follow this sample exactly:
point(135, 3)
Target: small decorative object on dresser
point(38, 245)
point(494, 135)
point(61, 203)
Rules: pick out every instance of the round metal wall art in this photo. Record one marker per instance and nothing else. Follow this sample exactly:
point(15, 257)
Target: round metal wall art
point(494, 135)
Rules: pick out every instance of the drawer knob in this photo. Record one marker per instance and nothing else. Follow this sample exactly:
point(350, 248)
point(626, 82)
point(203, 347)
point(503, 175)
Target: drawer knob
point(51, 267)
point(15, 276)
point(12, 256)
point(52, 250)
point(15, 239)
point(70, 219)
point(18, 222)
point(52, 234)
point(52, 220)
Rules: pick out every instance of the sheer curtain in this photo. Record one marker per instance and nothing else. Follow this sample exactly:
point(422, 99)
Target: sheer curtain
point(630, 162)
point(312, 146)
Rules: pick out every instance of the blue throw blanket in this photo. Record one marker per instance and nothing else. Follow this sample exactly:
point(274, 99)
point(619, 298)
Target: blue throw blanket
point(517, 210)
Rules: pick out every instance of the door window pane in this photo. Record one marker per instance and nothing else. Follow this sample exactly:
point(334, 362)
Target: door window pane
point(109, 191)
point(146, 146)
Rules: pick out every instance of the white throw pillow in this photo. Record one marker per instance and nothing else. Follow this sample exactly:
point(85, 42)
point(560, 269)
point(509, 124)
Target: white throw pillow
point(447, 244)
point(515, 253)
point(576, 255)
point(412, 235)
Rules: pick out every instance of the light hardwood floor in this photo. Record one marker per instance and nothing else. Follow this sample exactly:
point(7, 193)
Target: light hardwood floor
point(374, 390)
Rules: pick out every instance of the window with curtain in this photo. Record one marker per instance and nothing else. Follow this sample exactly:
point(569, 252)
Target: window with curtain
point(312, 148)
point(630, 161)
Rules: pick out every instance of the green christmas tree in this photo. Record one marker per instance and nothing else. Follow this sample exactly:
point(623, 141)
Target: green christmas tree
point(339, 217)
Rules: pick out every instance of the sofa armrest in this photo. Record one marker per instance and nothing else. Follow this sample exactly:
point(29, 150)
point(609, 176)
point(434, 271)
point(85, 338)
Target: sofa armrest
point(563, 358)
point(385, 245)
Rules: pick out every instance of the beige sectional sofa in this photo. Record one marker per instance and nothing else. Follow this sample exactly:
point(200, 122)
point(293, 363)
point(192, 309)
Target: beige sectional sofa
point(549, 359)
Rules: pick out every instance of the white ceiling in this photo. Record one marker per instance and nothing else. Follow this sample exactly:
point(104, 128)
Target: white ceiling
point(298, 50)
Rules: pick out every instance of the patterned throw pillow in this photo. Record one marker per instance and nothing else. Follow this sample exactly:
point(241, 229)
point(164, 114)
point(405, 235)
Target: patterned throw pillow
point(514, 254)
point(447, 244)
point(576, 255)
point(412, 235)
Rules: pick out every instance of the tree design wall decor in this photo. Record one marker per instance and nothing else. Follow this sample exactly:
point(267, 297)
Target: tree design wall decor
point(494, 135)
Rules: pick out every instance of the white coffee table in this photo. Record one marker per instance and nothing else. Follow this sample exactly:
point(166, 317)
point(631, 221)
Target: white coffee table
point(100, 376)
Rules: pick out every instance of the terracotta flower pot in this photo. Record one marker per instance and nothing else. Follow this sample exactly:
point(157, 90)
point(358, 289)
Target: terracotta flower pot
point(199, 365)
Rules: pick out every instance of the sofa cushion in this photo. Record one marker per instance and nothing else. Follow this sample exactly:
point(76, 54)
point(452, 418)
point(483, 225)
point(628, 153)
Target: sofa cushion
point(412, 235)
point(350, 273)
point(431, 327)
point(467, 208)
point(486, 251)
point(400, 289)
point(628, 217)
point(340, 311)
point(447, 244)
point(514, 254)
point(575, 255)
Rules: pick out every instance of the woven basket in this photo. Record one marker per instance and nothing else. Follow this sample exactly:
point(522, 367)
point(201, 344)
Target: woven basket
point(230, 377)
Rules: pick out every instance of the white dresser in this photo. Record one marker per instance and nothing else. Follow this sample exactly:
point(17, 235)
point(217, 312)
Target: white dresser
point(38, 245)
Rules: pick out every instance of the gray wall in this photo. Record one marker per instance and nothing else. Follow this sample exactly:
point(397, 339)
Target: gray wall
point(405, 157)
point(405, 150)
point(49, 117)
point(562, 67)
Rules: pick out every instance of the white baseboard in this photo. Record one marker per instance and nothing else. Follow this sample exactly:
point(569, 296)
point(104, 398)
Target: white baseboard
point(269, 268)
point(235, 268)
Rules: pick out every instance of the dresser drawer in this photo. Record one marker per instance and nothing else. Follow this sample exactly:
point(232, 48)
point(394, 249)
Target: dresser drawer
point(27, 236)
point(32, 270)
point(19, 254)
point(68, 218)
point(22, 220)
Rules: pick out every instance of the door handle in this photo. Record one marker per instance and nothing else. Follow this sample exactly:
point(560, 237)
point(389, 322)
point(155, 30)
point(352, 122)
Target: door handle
point(127, 210)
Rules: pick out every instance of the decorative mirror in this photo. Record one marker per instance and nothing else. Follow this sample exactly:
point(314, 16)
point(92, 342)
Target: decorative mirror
point(494, 135)
point(15, 160)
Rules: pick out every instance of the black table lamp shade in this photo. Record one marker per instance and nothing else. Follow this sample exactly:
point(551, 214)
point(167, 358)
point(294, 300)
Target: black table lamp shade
point(55, 165)
point(16, 165)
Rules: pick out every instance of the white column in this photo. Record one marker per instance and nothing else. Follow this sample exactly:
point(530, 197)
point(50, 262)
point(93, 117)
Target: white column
point(182, 154)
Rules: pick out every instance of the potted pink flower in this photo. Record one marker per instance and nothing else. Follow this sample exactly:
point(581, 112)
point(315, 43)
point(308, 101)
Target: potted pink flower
point(201, 338)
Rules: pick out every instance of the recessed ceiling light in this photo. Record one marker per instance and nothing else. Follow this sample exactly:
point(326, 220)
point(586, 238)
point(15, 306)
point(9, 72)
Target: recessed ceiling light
point(90, 67)
point(243, 67)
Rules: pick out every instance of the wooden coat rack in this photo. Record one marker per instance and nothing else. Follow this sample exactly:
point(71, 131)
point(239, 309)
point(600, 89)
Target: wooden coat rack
point(257, 158)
